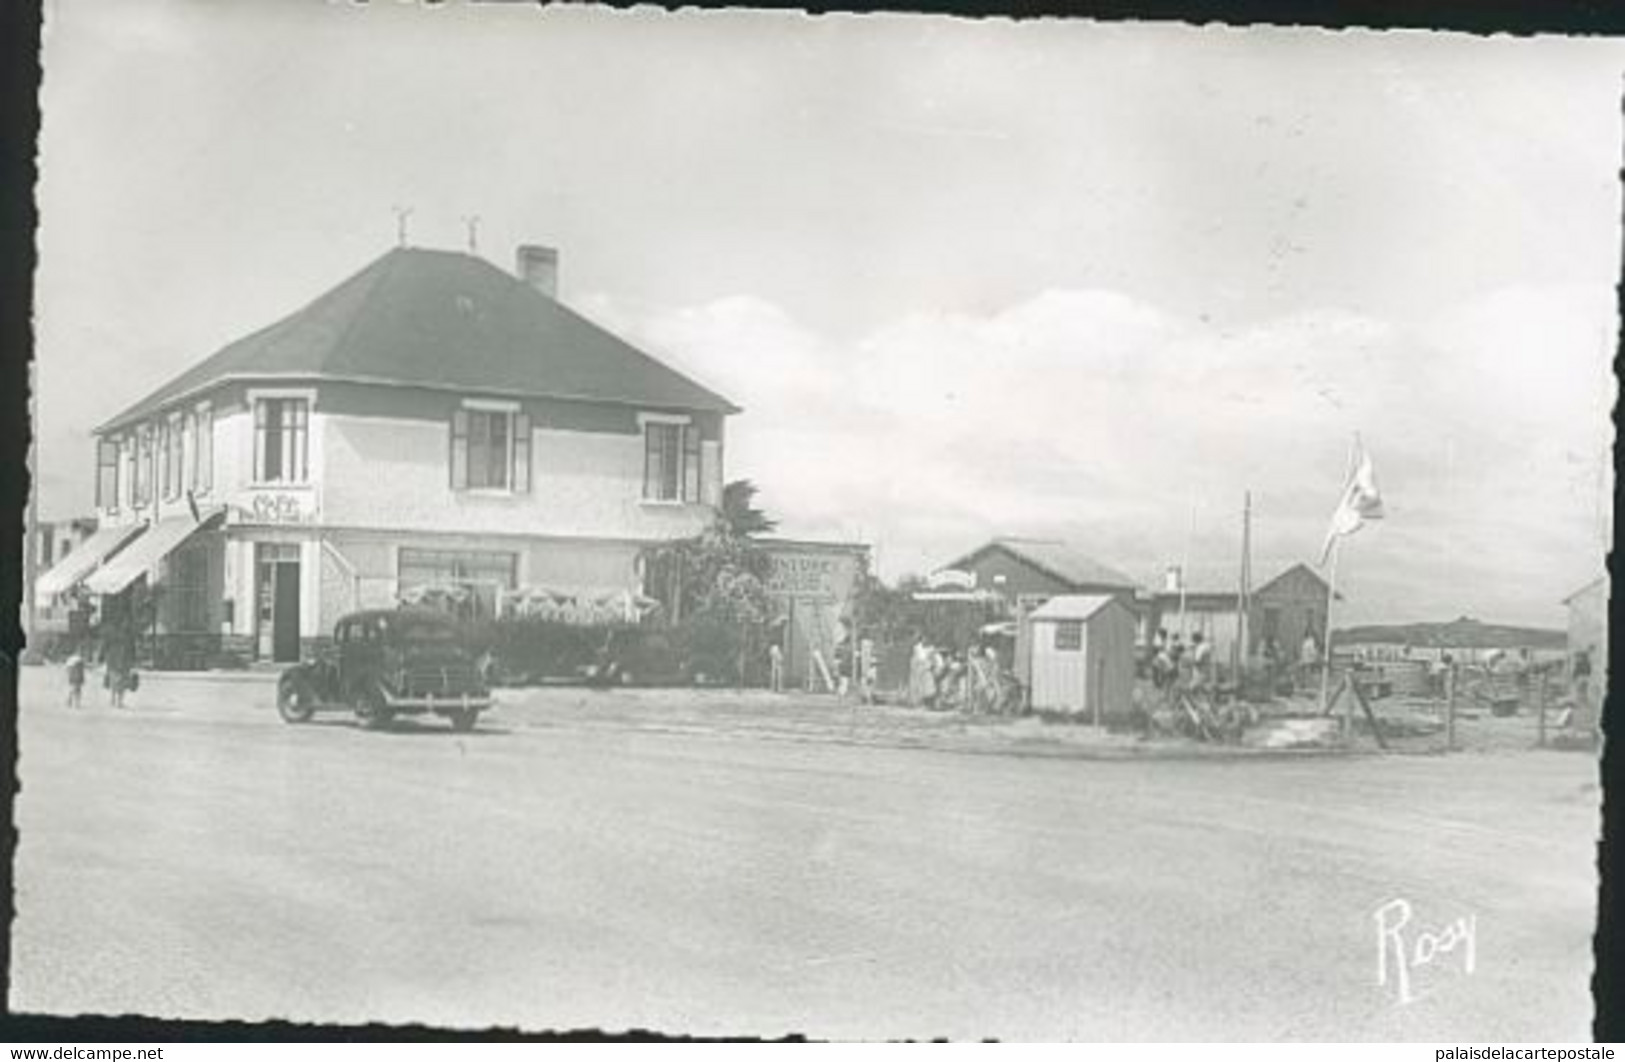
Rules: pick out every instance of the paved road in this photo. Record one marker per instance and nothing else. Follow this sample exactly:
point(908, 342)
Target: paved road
point(197, 858)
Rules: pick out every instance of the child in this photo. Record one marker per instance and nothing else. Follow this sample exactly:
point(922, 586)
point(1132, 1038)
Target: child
point(775, 668)
point(75, 666)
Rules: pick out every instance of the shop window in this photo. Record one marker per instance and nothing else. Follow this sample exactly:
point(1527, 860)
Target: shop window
point(187, 584)
point(463, 582)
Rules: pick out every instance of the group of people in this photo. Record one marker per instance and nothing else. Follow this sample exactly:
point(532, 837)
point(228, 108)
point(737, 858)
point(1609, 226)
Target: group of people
point(850, 667)
point(1174, 666)
point(942, 678)
point(112, 645)
point(1171, 664)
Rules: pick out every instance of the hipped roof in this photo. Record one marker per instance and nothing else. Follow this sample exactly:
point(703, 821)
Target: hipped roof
point(1056, 558)
point(446, 320)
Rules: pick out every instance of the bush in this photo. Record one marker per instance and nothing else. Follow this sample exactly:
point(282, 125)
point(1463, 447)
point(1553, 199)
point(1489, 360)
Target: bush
point(525, 650)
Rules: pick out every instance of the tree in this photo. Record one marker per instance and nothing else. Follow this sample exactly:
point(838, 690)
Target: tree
point(738, 513)
point(714, 584)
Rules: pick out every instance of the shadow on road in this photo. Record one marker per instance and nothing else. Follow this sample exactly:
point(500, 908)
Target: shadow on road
point(408, 728)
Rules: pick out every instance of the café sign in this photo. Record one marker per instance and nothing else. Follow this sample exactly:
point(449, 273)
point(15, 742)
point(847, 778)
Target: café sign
point(273, 506)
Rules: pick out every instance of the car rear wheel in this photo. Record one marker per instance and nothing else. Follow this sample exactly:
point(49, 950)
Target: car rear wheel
point(463, 719)
point(295, 700)
point(371, 711)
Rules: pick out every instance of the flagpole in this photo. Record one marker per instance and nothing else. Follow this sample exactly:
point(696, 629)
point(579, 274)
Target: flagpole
point(1326, 642)
point(1184, 568)
point(1331, 591)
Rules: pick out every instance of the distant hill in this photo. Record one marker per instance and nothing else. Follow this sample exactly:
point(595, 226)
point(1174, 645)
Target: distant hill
point(1463, 633)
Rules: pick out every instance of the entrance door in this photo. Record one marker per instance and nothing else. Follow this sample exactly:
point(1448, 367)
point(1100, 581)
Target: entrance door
point(277, 591)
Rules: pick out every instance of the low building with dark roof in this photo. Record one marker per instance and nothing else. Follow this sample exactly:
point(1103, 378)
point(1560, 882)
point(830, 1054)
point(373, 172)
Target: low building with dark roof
point(432, 424)
point(1284, 609)
point(1033, 570)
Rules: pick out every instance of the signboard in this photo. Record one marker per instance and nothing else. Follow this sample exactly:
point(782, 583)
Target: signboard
point(804, 576)
point(273, 506)
point(951, 579)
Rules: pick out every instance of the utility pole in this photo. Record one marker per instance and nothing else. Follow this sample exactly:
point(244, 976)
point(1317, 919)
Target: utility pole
point(1245, 588)
point(401, 214)
point(1184, 568)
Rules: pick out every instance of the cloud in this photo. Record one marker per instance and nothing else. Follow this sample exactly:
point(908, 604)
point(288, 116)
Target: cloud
point(1091, 415)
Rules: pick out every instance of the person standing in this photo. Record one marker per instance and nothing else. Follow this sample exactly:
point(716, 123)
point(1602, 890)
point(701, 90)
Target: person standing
point(775, 666)
point(1580, 681)
point(1308, 659)
point(118, 653)
point(1201, 662)
point(75, 667)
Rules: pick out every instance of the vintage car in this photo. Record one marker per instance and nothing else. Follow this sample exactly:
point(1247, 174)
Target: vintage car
point(389, 662)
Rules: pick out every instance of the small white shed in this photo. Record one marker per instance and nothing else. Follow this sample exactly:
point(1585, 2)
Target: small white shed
point(1083, 657)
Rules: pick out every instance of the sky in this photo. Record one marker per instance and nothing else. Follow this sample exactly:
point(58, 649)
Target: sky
point(967, 278)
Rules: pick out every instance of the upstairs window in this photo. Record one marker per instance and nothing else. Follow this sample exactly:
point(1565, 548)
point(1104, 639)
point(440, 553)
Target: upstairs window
point(281, 440)
point(126, 466)
point(671, 462)
point(203, 452)
point(173, 453)
point(142, 480)
point(490, 448)
point(107, 473)
point(188, 462)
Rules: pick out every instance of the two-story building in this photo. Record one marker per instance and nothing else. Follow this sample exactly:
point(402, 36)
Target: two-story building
point(431, 424)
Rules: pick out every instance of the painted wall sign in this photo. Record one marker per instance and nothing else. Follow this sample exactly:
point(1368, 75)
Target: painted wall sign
point(276, 507)
point(801, 576)
point(951, 579)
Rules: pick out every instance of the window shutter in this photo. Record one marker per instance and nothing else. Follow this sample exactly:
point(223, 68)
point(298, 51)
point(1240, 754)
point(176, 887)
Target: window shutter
point(161, 455)
point(260, 412)
point(205, 448)
point(650, 454)
point(521, 453)
point(711, 466)
point(691, 463)
point(459, 450)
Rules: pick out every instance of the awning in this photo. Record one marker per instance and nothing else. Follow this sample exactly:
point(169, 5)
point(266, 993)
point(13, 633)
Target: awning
point(83, 559)
point(144, 554)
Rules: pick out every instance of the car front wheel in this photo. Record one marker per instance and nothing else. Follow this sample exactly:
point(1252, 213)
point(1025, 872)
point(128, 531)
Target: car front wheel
point(295, 700)
point(371, 711)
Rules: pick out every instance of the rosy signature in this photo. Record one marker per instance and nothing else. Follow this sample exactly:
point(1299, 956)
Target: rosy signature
point(1405, 952)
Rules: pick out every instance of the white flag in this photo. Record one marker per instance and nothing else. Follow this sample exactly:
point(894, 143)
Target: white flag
point(1362, 501)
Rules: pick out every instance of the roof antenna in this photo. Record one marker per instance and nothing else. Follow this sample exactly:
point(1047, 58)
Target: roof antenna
point(472, 222)
point(401, 214)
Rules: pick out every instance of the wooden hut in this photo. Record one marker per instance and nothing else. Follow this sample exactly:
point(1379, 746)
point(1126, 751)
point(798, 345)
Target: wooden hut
point(1082, 657)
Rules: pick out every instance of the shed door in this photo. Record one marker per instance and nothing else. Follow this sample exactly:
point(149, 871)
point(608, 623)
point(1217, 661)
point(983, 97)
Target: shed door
point(1061, 666)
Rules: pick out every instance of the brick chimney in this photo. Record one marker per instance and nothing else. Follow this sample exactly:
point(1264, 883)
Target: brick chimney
point(539, 267)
